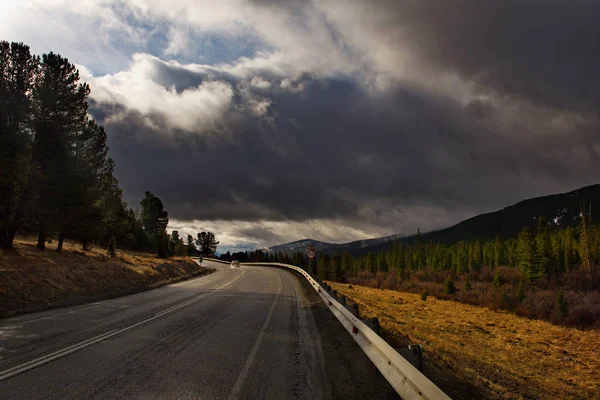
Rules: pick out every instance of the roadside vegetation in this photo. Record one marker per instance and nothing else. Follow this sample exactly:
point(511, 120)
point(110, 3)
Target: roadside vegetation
point(546, 274)
point(33, 279)
point(497, 354)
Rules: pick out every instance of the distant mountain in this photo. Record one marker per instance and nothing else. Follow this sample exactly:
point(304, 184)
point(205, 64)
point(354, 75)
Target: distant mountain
point(324, 247)
point(299, 245)
point(561, 210)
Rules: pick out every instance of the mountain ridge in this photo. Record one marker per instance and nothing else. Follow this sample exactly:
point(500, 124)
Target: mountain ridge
point(560, 210)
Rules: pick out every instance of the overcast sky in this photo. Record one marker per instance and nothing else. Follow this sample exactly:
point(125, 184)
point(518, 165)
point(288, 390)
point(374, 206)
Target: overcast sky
point(270, 121)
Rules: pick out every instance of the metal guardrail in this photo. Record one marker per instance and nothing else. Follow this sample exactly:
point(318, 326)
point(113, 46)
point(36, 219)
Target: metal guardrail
point(408, 382)
point(216, 260)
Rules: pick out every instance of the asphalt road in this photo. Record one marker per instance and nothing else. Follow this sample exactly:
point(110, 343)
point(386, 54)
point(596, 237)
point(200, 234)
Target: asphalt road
point(245, 333)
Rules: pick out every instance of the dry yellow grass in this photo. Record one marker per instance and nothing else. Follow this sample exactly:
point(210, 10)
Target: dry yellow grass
point(31, 279)
point(504, 356)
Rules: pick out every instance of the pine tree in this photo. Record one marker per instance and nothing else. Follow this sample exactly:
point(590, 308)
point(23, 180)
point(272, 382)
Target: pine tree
point(176, 244)
point(498, 251)
point(557, 253)
point(467, 283)
point(498, 280)
point(511, 253)
point(60, 106)
point(162, 244)
point(371, 263)
point(569, 248)
point(526, 254)
point(561, 305)
point(586, 242)
point(470, 258)
point(92, 205)
point(477, 256)
point(192, 251)
point(153, 216)
point(420, 252)
point(400, 262)
point(347, 262)
point(335, 268)
point(521, 290)
point(323, 266)
point(141, 238)
point(115, 220)
point(382, 262)
point(18, 69)
point(543, 246)
point(207, 243)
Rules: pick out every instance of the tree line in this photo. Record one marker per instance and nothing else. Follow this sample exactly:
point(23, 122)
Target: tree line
point(536, 253)
point(55, 175)
point(56, 178)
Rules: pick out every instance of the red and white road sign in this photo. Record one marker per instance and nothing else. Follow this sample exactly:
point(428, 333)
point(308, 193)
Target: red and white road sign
point(311, 254)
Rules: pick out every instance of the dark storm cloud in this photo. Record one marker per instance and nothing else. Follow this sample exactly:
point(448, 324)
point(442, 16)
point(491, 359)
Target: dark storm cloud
point(261, 234)
point(334, 148)
point(336, 151)
point(545, 51)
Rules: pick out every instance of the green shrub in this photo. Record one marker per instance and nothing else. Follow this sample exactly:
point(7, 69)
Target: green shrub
point(521, 290)
point(424, 295)
point(503, 297)
point(112, 247)
point(561, 305)
point(449, 287)
point(498, 280)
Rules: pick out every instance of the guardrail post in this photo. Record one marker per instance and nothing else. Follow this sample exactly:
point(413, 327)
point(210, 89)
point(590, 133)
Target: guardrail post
point(414, 355)
point(375, 322)
point(372, 323)
point(416, 348)
point(354, 310)
point(343, 300)
point(334, 294)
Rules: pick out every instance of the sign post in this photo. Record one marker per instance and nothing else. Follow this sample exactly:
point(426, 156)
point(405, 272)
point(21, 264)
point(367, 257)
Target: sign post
point(310, 252)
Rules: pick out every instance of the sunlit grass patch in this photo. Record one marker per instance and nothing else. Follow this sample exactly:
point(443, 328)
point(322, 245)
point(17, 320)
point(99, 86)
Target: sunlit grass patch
point(33, 279)
point(506, 355)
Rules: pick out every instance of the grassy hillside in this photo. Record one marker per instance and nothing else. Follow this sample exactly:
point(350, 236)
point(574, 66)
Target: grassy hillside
point(33, 280)
point(498, 355)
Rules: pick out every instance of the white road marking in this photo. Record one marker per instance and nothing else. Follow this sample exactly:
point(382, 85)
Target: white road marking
point(17, 323)
point(244, 372)
point(16, 370)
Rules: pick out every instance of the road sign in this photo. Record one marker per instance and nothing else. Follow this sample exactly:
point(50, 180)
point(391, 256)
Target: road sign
point(311, 254)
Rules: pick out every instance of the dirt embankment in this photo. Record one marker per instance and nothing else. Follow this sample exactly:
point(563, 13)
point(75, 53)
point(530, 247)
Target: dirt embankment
point(494, 355)
point(33, 280)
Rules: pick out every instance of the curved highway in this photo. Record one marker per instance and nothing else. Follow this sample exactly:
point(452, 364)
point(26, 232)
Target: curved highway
point(239, 333)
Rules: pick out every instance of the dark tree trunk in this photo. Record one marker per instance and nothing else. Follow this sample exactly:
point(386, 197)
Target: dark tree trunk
point(41, 244)
point(5, 241)
point(61, 239)
point(8, 238)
